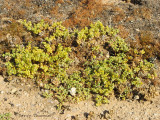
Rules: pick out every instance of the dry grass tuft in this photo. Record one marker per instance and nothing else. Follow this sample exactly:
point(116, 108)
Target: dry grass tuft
point(82, 15)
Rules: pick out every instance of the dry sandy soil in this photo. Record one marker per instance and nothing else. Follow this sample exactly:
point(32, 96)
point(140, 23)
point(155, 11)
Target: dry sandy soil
point(133, 17)
point(24, 102)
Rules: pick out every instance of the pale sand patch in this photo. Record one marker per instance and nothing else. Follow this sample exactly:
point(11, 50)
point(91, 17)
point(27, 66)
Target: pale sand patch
point(109, 1)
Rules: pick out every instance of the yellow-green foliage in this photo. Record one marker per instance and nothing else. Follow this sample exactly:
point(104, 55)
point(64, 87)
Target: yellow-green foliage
point(98, 79)
point(36, 28)
point(32, 61)
point(56, 28)
point(5, 116)
point(103, 76)
point(95, 31)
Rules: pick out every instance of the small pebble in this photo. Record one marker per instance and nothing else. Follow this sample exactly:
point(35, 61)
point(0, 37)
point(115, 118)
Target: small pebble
point(50, 101)
point(5, 99)
point(106, 116)
point(73, 91)
point(156, 93)
point(26, 94)
point(41, 84)
point(68, 117)
point(13, 90)
point(136, 97)
point(1, 92)
point(12, 105)
point(46, 91)
point(137, 30)
point(18, 105)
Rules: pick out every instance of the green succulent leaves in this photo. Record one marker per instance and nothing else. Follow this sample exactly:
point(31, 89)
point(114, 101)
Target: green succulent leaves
point(5, 116)
point(49, 63)
point(29, 62)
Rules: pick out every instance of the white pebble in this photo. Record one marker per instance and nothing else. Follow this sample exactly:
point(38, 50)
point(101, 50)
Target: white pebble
point(1, 92)
point(73, 91)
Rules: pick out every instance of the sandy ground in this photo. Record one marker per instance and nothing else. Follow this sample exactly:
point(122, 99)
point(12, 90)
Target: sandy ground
point(26, 103)
point(24, 100)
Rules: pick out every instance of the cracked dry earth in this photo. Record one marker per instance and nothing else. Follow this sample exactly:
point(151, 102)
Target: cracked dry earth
point(24, 101)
